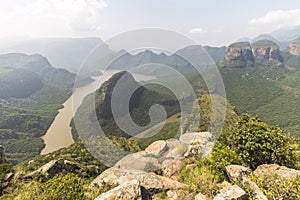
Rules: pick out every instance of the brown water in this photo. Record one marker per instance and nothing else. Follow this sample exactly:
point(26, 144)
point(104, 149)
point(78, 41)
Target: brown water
point(59, 133)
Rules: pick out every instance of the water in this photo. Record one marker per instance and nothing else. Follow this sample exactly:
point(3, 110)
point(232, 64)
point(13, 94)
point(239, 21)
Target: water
point(59, 133)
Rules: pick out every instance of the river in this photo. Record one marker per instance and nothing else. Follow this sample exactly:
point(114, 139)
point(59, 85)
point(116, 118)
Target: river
point(59, 133)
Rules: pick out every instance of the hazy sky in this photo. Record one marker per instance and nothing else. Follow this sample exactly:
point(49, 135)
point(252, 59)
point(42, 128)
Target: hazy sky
point(213, 22)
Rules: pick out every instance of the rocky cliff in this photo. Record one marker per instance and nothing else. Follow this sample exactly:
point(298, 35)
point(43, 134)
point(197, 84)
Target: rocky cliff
point(266, 50)
point(239, 55)
point(294, 47)
point(244, 54)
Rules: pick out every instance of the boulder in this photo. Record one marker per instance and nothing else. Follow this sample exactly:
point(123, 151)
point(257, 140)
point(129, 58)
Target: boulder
point(274, 169)
point(173, 169)
point(157, 148)
point(231, 192)
point(236, 171)
point(193, 138)
point(200, 197)
point(128, 190)
point(152, 182)
point(139, 161)
point(241, 173)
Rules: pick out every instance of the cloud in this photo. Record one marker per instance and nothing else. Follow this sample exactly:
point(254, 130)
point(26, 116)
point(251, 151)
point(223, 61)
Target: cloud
point(52, 18)
point(197, 30)
point(276, 19)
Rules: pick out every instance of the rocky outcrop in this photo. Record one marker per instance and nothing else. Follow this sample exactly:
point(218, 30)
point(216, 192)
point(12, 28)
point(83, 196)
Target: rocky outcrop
point(239, 55)
point(150, 181)
point(294, 47)
point(241, 173)
point(273, 169)
point(161, 154)
point(244, 54)
point(164, 155)
point(54, 167)
point(231, 192)
point(266, 50)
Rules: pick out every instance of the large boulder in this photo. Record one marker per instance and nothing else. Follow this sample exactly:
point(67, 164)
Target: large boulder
point(128, 190)
point(157, 148)
point(139, 161)
point(150, 181)
point(231, 193)
point(273, 169)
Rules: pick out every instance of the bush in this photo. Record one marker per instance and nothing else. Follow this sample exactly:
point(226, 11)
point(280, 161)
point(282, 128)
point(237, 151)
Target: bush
point(257, 143)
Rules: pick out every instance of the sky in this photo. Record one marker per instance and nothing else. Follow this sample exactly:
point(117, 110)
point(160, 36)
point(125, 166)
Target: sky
point(209, 22)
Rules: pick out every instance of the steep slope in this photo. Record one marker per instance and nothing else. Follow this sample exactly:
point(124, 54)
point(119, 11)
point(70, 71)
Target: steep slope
point(31, 92)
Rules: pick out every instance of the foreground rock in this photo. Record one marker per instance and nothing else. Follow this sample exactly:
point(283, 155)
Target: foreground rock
point(232, 192)
point(273, 169)
point(162, 153)
point(150, 181)
point(241, 173)
point(128, 190)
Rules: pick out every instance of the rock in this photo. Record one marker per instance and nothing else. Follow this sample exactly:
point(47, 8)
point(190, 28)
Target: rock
point(200, 197)
point(241, 173)
point(193, 138)
point(157, 148)
point(127, 190)
point(236, 171)
point(152, 182)
point(231, 192)
point(239, 55)
point(139, 161)
point(273, 169)
point(172, 170)
point(294, 47)
point(54, 167)
point(172, 195)
point(266, 50)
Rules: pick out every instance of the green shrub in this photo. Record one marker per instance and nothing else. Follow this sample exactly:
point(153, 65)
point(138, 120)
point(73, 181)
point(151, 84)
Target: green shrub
point(258, 143)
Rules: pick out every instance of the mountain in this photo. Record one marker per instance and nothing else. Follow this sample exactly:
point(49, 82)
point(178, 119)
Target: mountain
point(244, 54)
point(67, 53)
point(268, 86)
point(31, 92)
point(151, 63)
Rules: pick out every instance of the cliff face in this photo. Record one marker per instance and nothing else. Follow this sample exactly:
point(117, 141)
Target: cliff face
point(243, 54)
point(266, 50)
point(239, 55)
point(295, 47)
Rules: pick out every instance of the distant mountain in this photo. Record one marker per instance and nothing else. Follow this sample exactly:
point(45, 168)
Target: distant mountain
point(151, 63)
point(67, 53)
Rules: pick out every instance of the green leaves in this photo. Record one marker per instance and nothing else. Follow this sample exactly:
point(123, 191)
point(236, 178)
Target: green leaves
point(258, 143)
